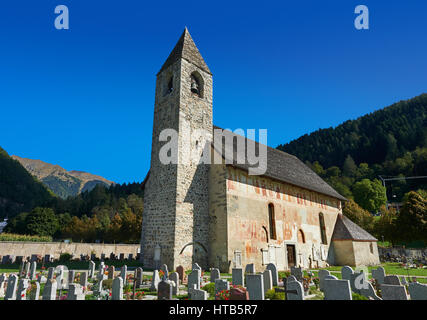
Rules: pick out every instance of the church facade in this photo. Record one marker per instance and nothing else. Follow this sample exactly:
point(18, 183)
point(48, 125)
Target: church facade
point(219, 215)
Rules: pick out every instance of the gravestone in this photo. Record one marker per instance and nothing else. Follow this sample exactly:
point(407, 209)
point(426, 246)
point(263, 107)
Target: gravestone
point(357, 281)
point(138, 276)
point(111, 270)
point(392, 280)
point(250, 268)
point(297, 273)
point(238, 278)
point(174, 277)
point(46, 258)
point(97, 287)
point(369, 292)
point(49, 292)
point(418, 291)
point(102, 256)
point(71, 276)
point(155, 281)
point(91, 269)
point(194, 279)
point(130, 256)
point(26, 271)
point(268, 280)
point(2, 285)
point(59, 279)
point(220, 285)
point(165, 270)
point(164, 291)
point(255, 286)
point(122, 256)
point(335, 289)
point(12, 283)
point(117, 291)
point(21, 268)
point(75, 292)
point(22, 289)
point(123, 273)
point(50, 273)
point(92, 256)
point(196, 267)
point(197, 294)
point(378, 274)
point(181, 273)
point(84, 279)
point(393, 292)
point(215, 274)
point(346, 273)
point(290, 279)
point(294, 286)
point(322, 274)
point(274, 273)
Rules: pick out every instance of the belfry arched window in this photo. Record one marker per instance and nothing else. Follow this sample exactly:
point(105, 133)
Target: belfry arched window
point(272, 221)
point(196, 84)
point(322, 228)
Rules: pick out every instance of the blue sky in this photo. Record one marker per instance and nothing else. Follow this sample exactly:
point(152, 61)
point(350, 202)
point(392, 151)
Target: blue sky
point(83, 98)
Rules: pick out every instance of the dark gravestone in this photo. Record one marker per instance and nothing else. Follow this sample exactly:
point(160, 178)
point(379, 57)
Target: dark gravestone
point(164, 290)
point(181, 273)
point(122, 256)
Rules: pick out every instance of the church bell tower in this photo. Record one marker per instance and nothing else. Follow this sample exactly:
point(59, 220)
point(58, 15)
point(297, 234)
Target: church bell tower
point(175, 223)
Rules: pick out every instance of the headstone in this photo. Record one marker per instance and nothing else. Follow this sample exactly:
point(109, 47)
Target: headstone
point(418, 291)
point(122, 256)
point(75, 292)
point(21, 268)
point(215, 274)
point(181, 273)
point(322, 274)
point(297, 273)
point(392, 279)
point(59, 279)
point(174, 277)
point(2, 285)
point(50, 273)
point(274, 273)
point(111, 270)
point(46, 258)
point(378, 274)
point(92, 256)
point(164, 291)
point(117, 291)
point(238, 278)
point(84, 279)
point(194, 279)
point(22, 289)
point(155, 281)
point(102, 256)
point(26, 271)
point(139, 276)
point(197, 294)
point(71, 276)
point(369, 292)
point(91, 269)
point(357, 281)
point(12, 283)
point(268, 280)
point(295, 286)
point(220, 285)
point(393, 292)
point(250, 268)
point(49, 292)
point(123, 274)
point(346, 273)
point(255, 286)
point(335, 289)
point(165, 270)
point(130, 256)
point(290, 279)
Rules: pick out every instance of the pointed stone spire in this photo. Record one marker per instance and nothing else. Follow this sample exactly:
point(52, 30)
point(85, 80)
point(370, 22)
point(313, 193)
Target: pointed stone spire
point(186, 49)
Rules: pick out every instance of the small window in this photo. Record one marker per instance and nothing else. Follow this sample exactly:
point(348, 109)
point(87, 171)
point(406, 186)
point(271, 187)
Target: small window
point(301, 237)
point(371, 248)
point(196, 84)
point(322, 229)
point(272, 221)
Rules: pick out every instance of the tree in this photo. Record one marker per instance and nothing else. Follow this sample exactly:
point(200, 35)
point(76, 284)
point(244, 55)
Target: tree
point(42, 222)
point(370, 195)
point(358, 215)
point(385, 227)
point(411, 221)
point(349, 167)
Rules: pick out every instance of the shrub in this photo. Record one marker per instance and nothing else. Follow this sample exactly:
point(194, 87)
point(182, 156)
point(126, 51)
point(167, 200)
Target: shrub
point(23, 237)
point(210, 288)
point(273, 295)
point(356, 296)
point(65, 257)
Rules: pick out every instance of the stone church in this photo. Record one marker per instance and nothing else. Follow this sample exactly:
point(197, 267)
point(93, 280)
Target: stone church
point(219, 215)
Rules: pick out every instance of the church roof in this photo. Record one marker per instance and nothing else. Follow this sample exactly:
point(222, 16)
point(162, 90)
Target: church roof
point(285, 167)
point(186, 49)
point(345, 229)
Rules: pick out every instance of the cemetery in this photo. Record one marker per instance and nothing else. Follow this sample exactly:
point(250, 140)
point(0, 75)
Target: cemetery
point(123, 278)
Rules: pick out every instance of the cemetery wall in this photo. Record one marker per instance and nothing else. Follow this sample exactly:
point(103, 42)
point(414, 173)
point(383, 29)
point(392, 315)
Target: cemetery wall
point(20, 248)
point(297, 223)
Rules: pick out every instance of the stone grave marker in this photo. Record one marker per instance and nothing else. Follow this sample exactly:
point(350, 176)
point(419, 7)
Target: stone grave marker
point(255, 286)
point(297, 273)
point(346, 273)
point(221, 284)
point(392, 280)
point(164, 291)
point(21, 294)
point(84, 279)
point(357, 280)
point(417, 291)
point(268, 280)
point(369, 292)
point(91, 269)
point(138, 277)
point(238, 278)
point(155, 281)
point(111, 270)
point(174, 277)
point(322, 274)
point(335, 289)
point(197, 294)
point(49, 292)
point(181, 273)
point(196, 267)
point(215, 274)
point(71, 276)
point(164, 268)
point(12, 283)
point(393, 292)
point(379, 274)
point(123, 273)
point(50, 273)
point(295, 286)
point(75, 292)
point(274, 273)
point(194, 278)
point(117, 291)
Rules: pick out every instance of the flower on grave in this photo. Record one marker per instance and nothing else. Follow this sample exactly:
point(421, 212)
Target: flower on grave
point(43, 268)
point(161, 274)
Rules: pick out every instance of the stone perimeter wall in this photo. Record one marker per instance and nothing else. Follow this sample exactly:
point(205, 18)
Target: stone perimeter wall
point(26, 249)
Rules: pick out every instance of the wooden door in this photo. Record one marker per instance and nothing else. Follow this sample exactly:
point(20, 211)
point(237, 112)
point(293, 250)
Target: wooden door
point(291, 255)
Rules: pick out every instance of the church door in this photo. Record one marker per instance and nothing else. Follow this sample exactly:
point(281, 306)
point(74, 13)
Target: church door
point(291, 255)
